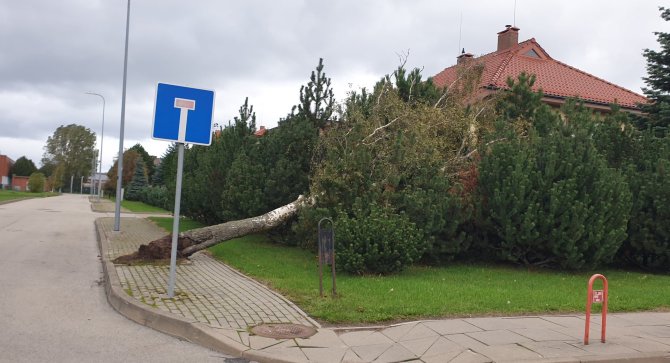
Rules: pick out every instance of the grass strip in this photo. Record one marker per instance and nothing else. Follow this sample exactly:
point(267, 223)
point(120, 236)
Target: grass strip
point(185, 223)
point(140, 207)
point(423, 292)
point(6, 195)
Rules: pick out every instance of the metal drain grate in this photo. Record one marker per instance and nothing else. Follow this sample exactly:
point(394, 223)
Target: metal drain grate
point(283, 331)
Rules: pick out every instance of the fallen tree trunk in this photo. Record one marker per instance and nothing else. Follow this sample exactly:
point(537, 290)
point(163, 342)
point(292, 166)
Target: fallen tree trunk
point(198, 239)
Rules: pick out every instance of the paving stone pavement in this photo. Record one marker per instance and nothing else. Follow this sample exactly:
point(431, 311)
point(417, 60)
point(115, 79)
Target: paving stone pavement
point(226, 303)
point(206, 290)
point(104, 205)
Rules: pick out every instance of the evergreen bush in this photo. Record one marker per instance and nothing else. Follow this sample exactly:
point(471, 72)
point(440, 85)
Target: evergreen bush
point(648, 243)
point(549, 197)
point(374, 240)
point(157, 196)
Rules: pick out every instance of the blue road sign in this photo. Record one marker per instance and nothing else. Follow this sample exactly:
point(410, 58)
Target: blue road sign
point(183, 114)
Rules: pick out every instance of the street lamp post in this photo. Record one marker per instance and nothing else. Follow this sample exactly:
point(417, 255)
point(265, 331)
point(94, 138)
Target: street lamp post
point(102, 138)
point(119, 179)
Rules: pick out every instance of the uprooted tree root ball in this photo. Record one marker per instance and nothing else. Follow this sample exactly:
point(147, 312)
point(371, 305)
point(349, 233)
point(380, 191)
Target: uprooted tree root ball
point(156, 250)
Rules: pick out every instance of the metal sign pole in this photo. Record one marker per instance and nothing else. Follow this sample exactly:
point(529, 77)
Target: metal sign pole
point(175, 223)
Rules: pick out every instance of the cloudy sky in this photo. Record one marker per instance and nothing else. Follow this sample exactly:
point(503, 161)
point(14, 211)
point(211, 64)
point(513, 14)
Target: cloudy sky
point(55, 51)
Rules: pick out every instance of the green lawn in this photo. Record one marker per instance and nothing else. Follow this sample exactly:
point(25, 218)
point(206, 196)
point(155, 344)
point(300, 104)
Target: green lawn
point(430, 292)
point(140, 207)
point(6, 195)
point(184, 223)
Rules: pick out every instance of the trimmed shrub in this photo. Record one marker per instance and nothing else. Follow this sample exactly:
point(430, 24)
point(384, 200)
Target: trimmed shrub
point(648, 243)
point(375, 240)
point(157, 196)
point(36, 182)
point(549, 198)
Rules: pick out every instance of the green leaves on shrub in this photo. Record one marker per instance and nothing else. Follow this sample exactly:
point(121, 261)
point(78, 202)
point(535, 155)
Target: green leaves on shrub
point(157, 196)
point(550, 198)
point(375, 240)
point(648, 243)
point(36, 182)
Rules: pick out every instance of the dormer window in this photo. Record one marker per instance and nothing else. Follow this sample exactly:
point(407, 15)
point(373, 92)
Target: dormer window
point(532, 53)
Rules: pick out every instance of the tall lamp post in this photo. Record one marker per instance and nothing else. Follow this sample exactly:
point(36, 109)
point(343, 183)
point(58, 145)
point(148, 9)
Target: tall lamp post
point(102, 138)
point(119, 179)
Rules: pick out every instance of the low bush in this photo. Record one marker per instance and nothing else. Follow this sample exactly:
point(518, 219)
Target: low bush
point(157, 196)
point(648, 243)
point(549, 198)
point(36, 182)
point(375, 240)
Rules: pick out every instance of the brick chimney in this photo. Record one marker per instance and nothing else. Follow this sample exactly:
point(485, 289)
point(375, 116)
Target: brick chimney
point(508, 38)
point(464, 57)
point(261, 132)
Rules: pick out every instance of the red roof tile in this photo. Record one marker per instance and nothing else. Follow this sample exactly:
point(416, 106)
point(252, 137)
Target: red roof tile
point(553, 77)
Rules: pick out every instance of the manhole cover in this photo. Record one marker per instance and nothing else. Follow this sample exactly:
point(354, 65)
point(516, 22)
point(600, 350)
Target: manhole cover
point(283, 331)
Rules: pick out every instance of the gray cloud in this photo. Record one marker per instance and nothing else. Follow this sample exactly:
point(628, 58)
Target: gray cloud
point(53, 52)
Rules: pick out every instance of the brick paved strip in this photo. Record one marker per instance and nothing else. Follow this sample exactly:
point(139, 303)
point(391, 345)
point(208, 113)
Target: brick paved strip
point(207, 290)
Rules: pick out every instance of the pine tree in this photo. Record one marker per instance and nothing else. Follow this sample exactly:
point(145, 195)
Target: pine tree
point(138, 182)
point(548, 195)
point(148, 160)
point(317, 101)
point(658, 82)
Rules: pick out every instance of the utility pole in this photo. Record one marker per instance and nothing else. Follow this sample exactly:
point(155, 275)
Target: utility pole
point(119, 180)
point(102, 139)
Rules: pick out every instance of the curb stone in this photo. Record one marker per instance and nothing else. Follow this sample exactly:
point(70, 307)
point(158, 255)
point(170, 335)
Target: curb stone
point(221, 340)
point(181, 328)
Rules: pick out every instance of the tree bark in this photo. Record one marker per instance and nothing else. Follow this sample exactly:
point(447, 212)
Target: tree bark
point(198, 239)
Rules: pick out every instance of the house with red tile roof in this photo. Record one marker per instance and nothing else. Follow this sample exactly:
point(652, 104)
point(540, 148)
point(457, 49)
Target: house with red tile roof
point(558, 81)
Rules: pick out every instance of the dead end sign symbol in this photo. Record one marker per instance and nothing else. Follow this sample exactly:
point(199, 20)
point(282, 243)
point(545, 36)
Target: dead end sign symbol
point(183, 114)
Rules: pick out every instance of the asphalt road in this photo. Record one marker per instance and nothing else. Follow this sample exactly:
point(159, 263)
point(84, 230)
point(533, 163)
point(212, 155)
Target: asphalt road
point(52, 304)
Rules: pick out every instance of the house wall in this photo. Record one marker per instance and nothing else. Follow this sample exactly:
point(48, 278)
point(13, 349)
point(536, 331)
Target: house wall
point(20, 183)
point(5, 164)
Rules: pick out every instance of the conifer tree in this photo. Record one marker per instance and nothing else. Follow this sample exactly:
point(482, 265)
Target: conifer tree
point(23, 167)
point(547, 194)
point(317, 101)
point(658, 82)
point(138, 182)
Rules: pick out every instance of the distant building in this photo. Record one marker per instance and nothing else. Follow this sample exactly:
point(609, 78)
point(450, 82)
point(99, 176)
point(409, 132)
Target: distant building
point(92, 181)
point(557, 80)
point(20, 183)
point(5, 167)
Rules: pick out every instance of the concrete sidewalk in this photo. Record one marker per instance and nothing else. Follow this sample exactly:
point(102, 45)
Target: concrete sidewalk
point(215, 306)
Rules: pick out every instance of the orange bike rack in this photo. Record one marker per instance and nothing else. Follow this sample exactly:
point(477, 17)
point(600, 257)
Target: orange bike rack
point(597, 296)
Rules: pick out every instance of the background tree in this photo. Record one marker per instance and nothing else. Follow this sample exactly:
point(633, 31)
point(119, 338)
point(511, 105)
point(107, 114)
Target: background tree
point(316, 98)
point(23, 167)
point(389, 159)
point(130, 158)
point(71, 148)
point(36, 182)
point(658, 82)
point(55, 180)
point(138, 182)
point(147, 159)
